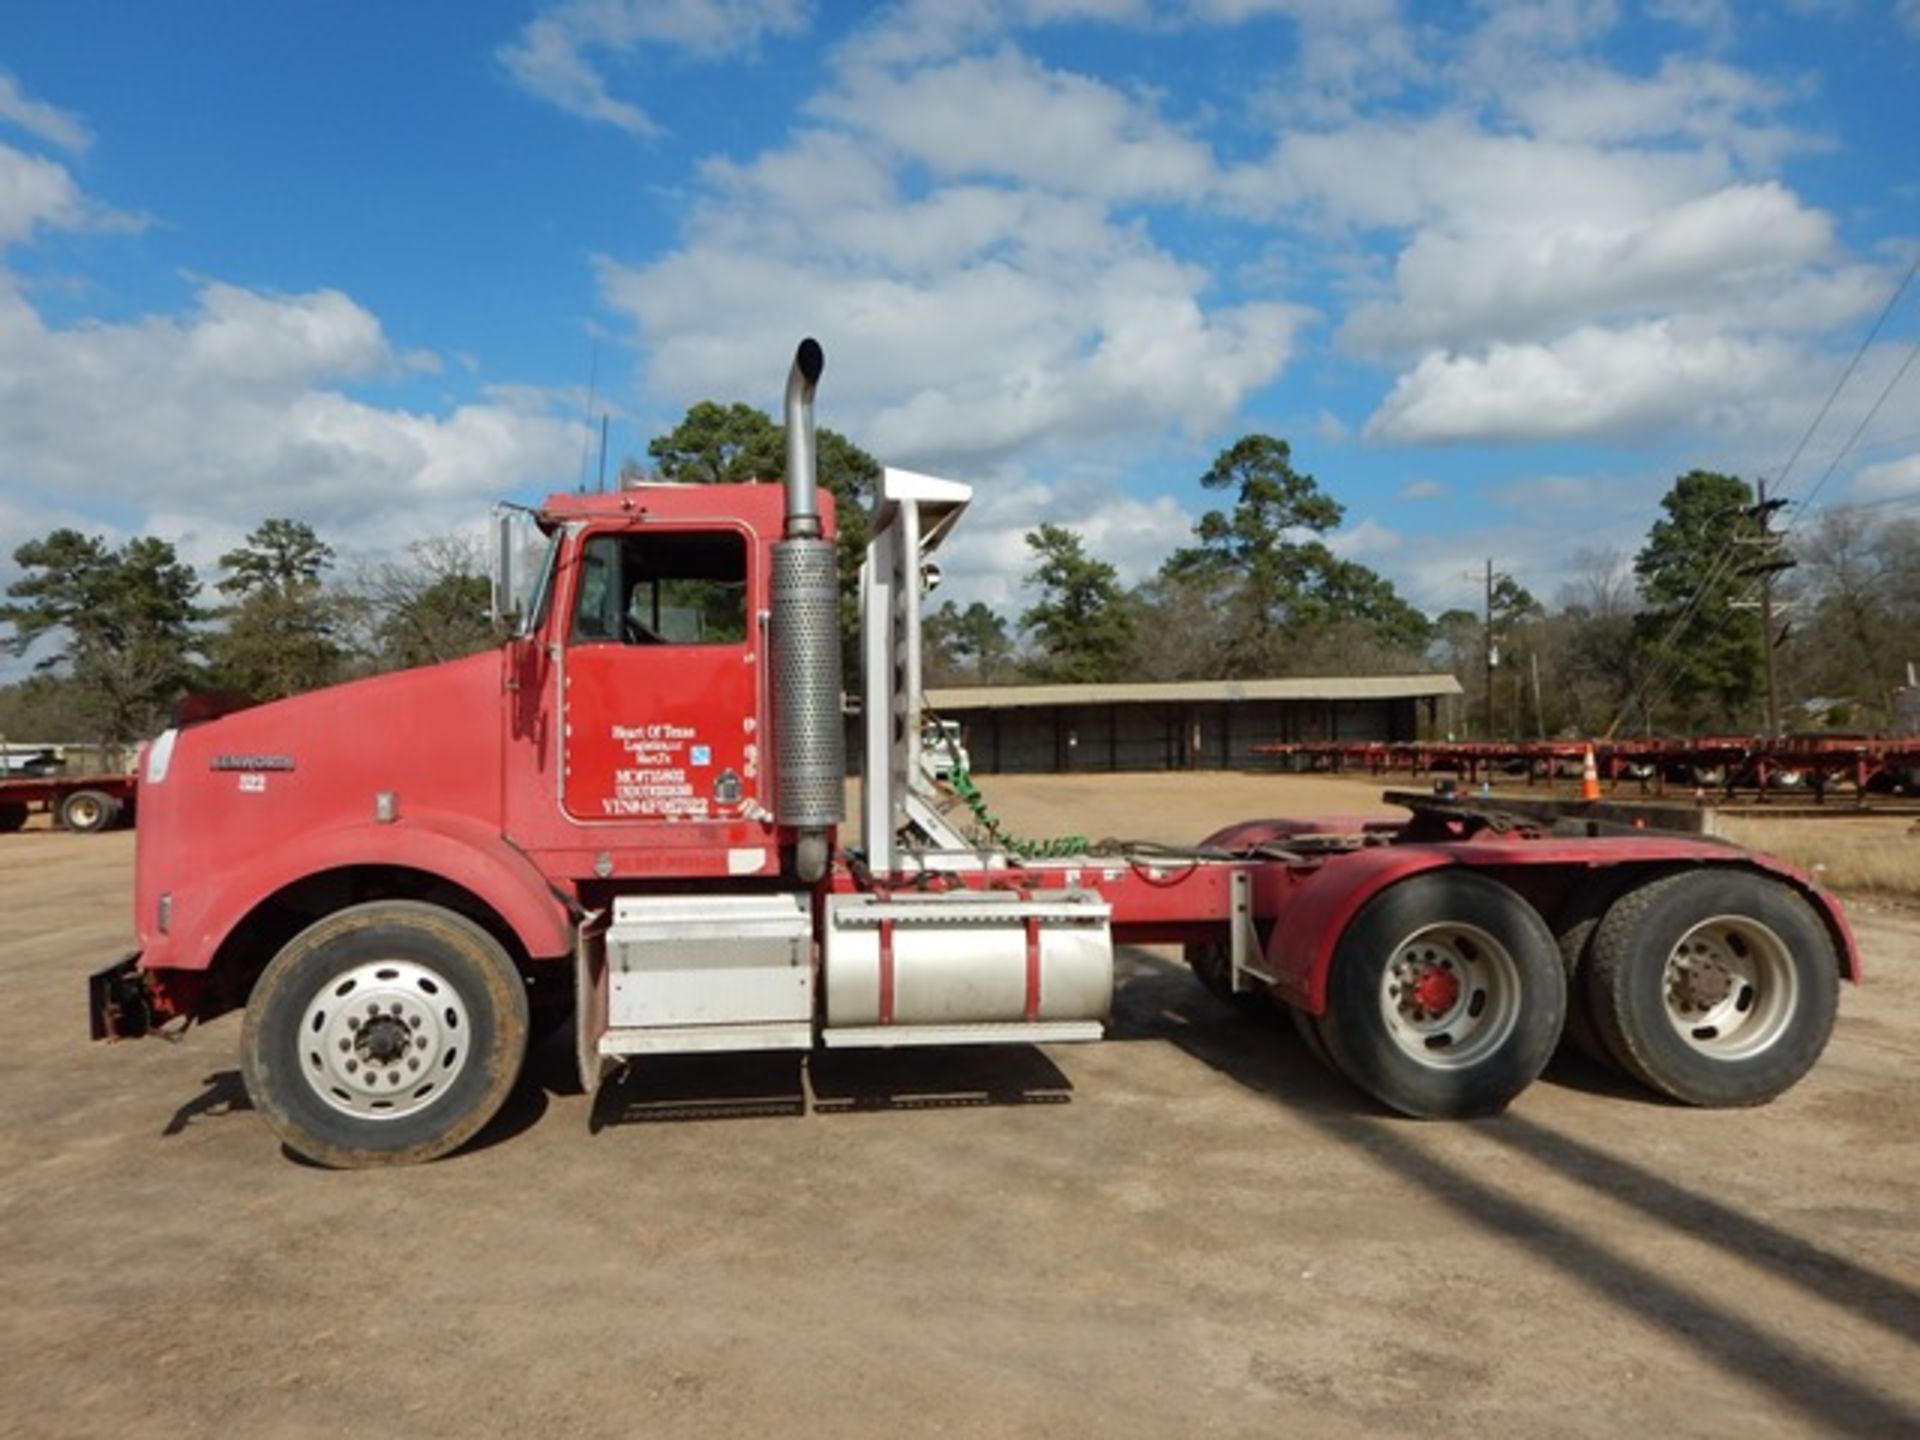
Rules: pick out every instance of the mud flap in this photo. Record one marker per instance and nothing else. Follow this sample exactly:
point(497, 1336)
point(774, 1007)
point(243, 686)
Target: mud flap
point(118, 1005)
point(590, 1000)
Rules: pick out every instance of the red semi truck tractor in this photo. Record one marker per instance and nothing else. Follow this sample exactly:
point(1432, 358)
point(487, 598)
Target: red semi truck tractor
point(631, 812)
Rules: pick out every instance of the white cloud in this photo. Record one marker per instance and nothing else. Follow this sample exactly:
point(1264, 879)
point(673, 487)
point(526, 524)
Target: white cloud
point(1397, 175)
point(1701, 101)
point(1519, 280)
point(554, 57)
point(36, 192)
point(1562, 223)
point(1594, 381)
point(1422, 490)
point(914, 32)
point(1003, 306)
point(1342, 53)
point(987, 558)
point(1365, 540)
point(1008, 117)
point(1888, 480)
point(1556, 495)
point(36, 117)
point(214, 420)
point(1519, 34)
point(1713, 18)
point(1005, 347)
point(40, 194)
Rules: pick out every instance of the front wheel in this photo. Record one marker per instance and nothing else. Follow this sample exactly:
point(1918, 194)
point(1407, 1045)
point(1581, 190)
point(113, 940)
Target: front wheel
point(1714, 987)
point(1446, 997)
point(385, 1034)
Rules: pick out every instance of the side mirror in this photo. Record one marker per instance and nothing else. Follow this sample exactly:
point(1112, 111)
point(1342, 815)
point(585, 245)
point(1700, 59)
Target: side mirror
point(505, 603)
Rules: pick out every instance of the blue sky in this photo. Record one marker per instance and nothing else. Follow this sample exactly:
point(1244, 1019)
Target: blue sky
point(1498, 271)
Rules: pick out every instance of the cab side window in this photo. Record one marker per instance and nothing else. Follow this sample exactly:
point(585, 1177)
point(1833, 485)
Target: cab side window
point(663, 588)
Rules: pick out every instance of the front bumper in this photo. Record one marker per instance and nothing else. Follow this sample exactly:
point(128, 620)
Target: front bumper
point(119, 1004)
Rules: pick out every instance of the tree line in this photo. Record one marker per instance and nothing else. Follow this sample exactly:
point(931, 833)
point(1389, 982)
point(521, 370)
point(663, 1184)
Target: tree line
point(124, 631)
point(1667, 641)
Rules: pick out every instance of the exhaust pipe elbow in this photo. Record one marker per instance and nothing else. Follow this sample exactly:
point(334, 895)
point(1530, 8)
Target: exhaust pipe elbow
point(803, 514)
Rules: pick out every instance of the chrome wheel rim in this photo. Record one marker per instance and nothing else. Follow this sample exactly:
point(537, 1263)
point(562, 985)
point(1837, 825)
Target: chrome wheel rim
point(1729, 987)
point(83, 812)
point(384, 1040)
point(1450, 995)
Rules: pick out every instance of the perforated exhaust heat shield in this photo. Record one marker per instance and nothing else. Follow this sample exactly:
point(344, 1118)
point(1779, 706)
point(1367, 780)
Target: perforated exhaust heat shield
point(809, 734)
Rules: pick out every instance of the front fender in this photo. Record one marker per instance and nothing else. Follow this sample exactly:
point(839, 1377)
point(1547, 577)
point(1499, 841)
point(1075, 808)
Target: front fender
point(451, 847)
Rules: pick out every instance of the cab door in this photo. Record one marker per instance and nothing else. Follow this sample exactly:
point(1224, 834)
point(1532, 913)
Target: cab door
point(660, 687)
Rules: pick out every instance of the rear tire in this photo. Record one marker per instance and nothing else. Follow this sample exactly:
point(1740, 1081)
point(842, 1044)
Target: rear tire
point(1212, 966)
point(385, 1034)
point(1580, 1031)
point(1714, 987)
point(12, 817)
point(1446, 997)
point(88, 812)
point(1307, 1027)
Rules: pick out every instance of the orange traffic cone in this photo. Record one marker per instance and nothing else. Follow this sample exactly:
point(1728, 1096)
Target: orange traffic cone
point(1589, 778)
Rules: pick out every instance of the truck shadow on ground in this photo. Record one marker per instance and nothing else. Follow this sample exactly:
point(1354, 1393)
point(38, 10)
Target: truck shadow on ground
point(1159, 1000)
point(223, 1093)
point(680, 1088)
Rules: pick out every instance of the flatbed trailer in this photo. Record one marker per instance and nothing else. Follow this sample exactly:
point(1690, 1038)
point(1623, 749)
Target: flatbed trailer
point(85, 804)
point(630, 816)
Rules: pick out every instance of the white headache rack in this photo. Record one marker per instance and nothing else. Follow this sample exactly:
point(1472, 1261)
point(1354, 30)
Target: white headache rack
point(912, 515)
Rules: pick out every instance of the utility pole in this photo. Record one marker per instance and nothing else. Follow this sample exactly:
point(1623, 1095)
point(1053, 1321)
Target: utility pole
point(1492, 654)
point(1771, 561)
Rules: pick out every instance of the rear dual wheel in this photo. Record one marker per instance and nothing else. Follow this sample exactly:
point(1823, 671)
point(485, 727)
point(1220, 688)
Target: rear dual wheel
point(385, 1034)
point(1713, 987)
point(1446, 997)
point(1212, 966)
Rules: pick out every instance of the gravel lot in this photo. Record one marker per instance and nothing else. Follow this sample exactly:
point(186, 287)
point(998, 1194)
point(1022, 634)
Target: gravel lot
point(1189, 1230)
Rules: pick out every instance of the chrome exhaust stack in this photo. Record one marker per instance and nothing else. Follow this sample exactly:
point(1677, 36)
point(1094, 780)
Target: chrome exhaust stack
point(809, 740)
point(803, 514)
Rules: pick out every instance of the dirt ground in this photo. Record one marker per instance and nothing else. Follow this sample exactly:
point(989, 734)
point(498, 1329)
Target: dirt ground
point(1191, 1230)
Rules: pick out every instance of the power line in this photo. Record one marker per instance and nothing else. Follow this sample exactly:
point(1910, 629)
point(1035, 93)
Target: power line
point(1847, 374)
point(1654, 686)
point(1800, 508)
point(1885, 502)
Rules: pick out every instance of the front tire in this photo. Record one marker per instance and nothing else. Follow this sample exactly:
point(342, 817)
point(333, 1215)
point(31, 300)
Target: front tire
point(1714, 987)
point(1446, 997)
point(386, 1034)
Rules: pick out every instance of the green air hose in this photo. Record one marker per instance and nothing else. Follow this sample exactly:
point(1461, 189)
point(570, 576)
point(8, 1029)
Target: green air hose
point(1056, 849)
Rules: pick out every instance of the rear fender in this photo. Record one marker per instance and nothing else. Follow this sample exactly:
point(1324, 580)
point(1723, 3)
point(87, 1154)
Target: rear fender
point(452, 847)
point(1824, 905)
point(1310, 917)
